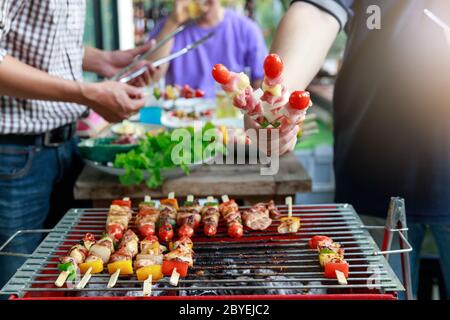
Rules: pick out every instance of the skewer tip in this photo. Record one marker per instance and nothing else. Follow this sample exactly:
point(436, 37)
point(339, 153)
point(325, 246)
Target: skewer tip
point(171, 195)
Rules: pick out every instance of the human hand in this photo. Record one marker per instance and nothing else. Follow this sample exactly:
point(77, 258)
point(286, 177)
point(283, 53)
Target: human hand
point(114, 101)
point(282, 140)
point(115, 61)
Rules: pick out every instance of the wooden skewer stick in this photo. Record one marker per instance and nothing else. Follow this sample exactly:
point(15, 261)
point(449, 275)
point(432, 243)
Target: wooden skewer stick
point(174, 278)
point(171, 195)
point(225, 198)
point(341, 277)
point(190, 198)
point(62, 278)
point(147, 199)
point(126, 199)
point(113, 280)
point(147, 290)
point(210, 199)
point(83, 282)
point(289, 205)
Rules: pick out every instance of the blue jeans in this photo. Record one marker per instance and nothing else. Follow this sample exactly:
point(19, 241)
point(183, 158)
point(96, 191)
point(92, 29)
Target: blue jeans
point(36, 189)
point(416, 235)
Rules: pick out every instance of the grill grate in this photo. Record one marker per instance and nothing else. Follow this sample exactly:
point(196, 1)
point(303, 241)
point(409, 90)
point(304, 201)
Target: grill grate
point(259, 263)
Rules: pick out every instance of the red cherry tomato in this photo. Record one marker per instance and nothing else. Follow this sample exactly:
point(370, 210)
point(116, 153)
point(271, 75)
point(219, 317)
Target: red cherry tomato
point(299, 100)
point(199, 93)
point(221, 74)
point(210, 230)
point(314, 241)
point(147, 230)
point(186, 231)
point(115, 231)
point(236, 231)
point(337, 265)
point(273, 66)
point(89, 237)
point(165, 233)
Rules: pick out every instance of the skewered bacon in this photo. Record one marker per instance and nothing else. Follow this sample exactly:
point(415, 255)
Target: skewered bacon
point(230, 213)
point(210, 217)
point(167, 219)
point(147, 218)
point(188, 218)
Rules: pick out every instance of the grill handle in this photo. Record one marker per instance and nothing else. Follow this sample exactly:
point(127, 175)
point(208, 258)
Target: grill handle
point(408, 248)
point(17, 233)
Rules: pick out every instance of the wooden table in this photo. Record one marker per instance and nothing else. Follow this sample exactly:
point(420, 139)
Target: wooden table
point(242, 182)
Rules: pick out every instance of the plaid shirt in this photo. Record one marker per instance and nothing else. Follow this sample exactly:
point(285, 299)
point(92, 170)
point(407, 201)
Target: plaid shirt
point(45, 34)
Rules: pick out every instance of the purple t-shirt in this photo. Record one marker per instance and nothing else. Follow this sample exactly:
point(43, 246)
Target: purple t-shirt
point(238, 43)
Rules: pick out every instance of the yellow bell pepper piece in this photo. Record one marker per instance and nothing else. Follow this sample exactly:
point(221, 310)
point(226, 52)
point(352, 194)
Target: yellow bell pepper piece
point(155, 270)
point(97, 266)
point(126, 267)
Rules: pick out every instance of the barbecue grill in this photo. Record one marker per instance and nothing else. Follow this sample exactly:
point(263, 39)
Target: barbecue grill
point(260, 265)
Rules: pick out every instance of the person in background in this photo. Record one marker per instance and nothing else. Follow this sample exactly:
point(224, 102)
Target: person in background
point(238, 43)
point(391, 115)
point(42, 95)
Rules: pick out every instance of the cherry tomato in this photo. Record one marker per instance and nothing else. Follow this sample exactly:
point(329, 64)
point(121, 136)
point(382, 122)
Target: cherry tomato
point(147, 230)
point(115, 230)
point(165, 233)
point(221, 74)
point(273, 66)
point(122, 203)
point(235, 231)
point(210, 230)
point(299, 100)
point(314, 241)
point(89, 237)
point(186, 231)
point(189, 94)
point(199, 93)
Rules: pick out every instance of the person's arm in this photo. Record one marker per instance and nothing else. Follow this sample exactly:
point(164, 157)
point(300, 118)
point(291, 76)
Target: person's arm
point(256, 51)
point(303, 39)
point(112, 100)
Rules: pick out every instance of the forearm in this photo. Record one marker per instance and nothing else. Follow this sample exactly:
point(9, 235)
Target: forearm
point(303, 39)
point(22, 81)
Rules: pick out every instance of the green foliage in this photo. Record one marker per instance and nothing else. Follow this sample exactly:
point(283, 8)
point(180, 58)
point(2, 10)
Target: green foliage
point(154, 154)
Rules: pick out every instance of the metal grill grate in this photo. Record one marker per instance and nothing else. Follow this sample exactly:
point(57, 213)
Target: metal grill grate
point(259, 263)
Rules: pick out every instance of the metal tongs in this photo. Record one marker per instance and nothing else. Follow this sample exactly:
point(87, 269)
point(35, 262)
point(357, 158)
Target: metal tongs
point(123, 77)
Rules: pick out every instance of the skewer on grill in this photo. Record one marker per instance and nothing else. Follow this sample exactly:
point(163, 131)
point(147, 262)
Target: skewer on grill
point(70, 263)
point(210, 217)
point(229, 210)
point(289, 224)
point(188, 217)
point(167, 217)
point(331, 257)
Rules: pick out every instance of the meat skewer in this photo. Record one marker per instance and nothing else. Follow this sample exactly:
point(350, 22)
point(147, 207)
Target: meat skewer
point(121, 261)
point(148, 263)
point(177, 262)
point(69, 264)
point(147, 217)
point(260, 215)
point(167, 218)
point(229, 211)
point(119, 216)
point(210, 217)
point(331, 257)
point(188, 217)
point(289, 224)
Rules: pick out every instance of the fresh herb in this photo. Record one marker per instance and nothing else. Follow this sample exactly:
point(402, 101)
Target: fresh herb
point(156, 153)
